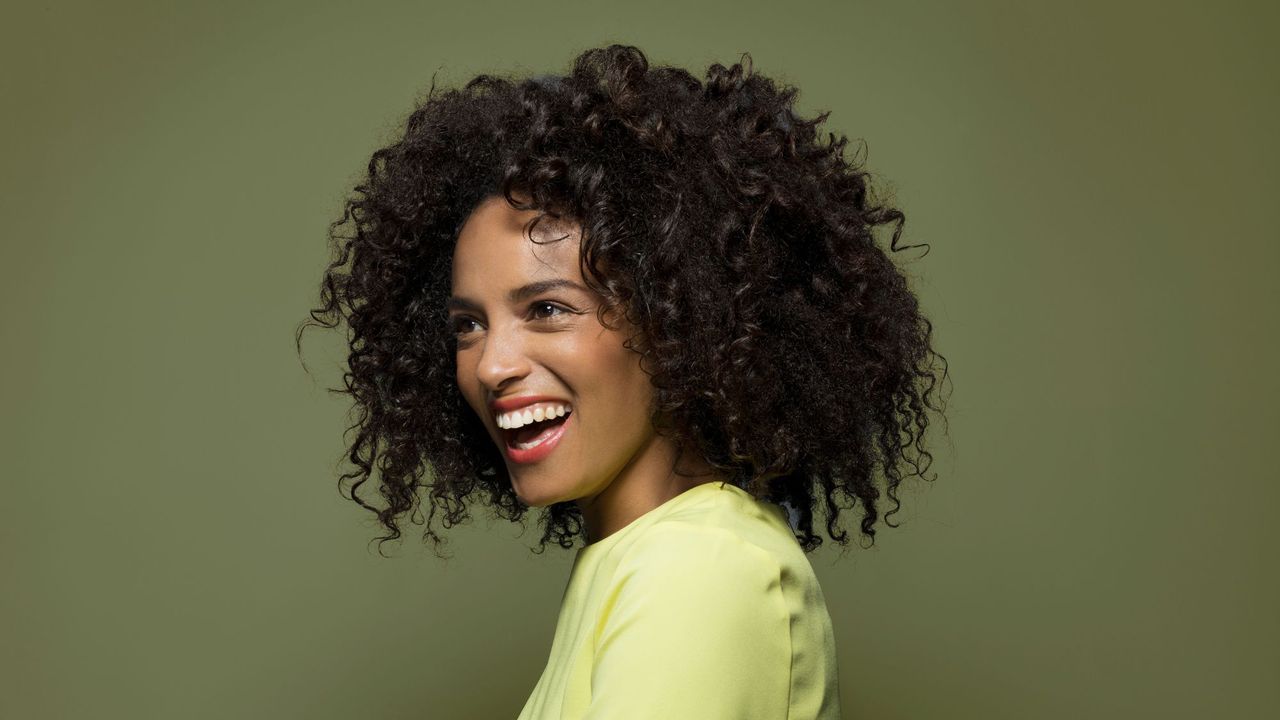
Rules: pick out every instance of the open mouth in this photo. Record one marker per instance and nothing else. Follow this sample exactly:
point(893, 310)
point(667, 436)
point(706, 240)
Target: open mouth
point(530, 436)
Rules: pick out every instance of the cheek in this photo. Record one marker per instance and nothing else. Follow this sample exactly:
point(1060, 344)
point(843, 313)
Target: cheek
point(624, 390)
point(462, 383)
point(466, 384)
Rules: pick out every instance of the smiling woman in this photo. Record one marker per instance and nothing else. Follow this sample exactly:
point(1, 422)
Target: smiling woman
point(540, 347)
point(653, 309)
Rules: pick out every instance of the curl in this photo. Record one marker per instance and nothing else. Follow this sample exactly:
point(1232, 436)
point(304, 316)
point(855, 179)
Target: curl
point(783, 343)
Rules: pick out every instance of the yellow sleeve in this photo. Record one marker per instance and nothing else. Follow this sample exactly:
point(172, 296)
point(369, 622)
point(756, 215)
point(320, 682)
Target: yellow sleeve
point(695, 628)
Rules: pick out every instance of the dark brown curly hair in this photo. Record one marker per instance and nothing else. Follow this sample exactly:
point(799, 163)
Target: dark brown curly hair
point(781, 340)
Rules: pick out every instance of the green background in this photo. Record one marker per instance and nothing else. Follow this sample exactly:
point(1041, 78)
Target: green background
point(1097, 182)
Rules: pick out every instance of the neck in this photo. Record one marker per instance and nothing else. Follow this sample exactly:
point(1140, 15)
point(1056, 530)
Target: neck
point(647, 481)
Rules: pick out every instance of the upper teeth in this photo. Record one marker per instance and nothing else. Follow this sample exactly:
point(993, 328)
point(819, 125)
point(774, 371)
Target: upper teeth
point(533, 413)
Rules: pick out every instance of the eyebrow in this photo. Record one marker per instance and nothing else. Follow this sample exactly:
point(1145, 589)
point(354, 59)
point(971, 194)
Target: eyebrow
point(518, 294)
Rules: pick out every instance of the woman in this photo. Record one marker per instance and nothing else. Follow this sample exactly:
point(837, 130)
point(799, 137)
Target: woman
point(653, 309)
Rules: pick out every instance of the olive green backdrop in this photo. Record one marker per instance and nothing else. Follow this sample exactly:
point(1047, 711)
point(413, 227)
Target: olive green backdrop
point(1097, 182)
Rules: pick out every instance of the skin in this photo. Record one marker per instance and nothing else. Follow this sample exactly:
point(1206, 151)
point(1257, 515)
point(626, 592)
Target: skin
point(610, 460)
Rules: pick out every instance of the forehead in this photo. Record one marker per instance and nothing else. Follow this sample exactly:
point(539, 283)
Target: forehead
point(495, 250)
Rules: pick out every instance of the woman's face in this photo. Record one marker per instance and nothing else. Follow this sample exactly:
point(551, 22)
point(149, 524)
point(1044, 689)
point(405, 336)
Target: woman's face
point(516, 340)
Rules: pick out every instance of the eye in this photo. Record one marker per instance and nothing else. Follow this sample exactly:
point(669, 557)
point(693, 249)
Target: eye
point(541, 310)
point(459, 323)
point(544, 304)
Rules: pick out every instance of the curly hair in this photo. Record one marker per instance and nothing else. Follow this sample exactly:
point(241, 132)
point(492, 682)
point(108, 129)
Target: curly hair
point(781, 341)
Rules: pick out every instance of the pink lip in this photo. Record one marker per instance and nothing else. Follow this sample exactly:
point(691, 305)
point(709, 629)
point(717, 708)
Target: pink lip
point(534, 454)
point(515, 403)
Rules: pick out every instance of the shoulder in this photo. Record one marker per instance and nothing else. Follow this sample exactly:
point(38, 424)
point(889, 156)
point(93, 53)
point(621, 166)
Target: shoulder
point(694, 626)
point(697, 586)
point(697, 562)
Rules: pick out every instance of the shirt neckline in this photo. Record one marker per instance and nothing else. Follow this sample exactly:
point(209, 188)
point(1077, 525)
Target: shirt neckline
point(652, 515)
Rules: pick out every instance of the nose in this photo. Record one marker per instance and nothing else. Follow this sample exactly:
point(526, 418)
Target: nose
point(502, 359)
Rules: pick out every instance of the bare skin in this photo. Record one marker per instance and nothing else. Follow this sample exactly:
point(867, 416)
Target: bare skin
point(610, 461)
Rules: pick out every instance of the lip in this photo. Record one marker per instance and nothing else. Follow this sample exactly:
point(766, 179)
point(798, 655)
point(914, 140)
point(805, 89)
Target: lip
point(515, 403)
point(534, 454)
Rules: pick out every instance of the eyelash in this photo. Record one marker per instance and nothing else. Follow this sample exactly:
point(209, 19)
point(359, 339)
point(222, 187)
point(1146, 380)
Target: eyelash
point(459, 320)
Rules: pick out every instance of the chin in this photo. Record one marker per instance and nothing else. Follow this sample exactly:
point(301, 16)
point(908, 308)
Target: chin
point(538, 499)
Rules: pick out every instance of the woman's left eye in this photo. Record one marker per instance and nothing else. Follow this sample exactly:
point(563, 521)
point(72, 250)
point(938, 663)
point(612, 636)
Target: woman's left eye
point(541, 310)
point(543, 304)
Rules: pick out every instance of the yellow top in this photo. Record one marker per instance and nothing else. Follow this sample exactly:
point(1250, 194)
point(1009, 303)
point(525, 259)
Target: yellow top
point(703, 608)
